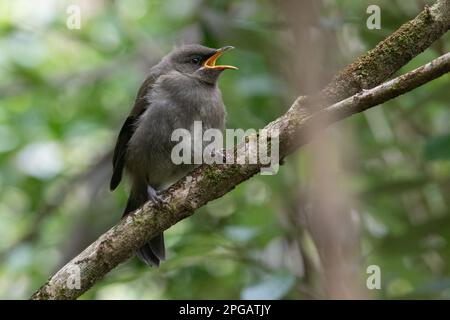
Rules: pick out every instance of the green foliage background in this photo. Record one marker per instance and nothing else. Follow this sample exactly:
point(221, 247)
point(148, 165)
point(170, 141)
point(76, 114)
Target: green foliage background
point(64, 93)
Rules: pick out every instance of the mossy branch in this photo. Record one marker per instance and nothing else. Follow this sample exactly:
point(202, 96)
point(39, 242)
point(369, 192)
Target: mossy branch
point(209, 182)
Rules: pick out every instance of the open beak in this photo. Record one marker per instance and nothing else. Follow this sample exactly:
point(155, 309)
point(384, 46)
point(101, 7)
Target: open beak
point(211, 61)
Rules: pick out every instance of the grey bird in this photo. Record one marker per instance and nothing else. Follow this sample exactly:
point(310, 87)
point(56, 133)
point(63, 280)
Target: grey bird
point(180, 89)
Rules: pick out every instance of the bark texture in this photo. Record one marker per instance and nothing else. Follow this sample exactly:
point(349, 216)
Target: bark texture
point(209, 182)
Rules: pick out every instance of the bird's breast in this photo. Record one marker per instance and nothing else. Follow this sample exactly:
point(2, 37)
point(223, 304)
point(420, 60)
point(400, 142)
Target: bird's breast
point(172, 107)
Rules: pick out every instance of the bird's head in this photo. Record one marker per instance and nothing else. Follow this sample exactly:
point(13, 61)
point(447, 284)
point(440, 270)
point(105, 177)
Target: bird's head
point(199, 61)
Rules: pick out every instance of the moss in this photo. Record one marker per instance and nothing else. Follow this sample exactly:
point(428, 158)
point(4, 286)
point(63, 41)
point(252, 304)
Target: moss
point(61, 293)
point(42, 295)
point(215, 175)
point(381, 62)
point(211, 177)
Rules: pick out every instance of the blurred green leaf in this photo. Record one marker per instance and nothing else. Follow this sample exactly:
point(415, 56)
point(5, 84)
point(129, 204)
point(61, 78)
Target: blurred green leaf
point(270, 288)
point(437, 148)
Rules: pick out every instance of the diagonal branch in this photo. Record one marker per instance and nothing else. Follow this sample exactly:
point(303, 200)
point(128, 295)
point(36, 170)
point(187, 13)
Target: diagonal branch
point(389, 55)
point(209, 182)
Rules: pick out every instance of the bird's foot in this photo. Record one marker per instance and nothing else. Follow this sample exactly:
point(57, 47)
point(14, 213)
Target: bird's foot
point(155, 197)
point(220, 153)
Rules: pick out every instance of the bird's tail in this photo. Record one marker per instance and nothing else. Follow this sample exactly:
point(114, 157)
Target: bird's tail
point(154, 250)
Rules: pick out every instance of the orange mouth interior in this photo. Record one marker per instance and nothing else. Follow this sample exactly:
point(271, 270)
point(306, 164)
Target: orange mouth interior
point(211, 62)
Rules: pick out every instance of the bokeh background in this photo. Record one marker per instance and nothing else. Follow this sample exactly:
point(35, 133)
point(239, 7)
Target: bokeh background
point(372, 190)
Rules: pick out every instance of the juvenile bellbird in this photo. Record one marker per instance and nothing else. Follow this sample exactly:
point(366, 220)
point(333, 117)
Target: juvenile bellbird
point(180, 89)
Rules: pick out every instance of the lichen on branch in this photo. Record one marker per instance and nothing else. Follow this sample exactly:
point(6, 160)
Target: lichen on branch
point(209, 182)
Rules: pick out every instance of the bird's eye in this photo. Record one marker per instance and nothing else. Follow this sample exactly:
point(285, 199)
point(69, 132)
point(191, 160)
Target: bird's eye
point(195, 60)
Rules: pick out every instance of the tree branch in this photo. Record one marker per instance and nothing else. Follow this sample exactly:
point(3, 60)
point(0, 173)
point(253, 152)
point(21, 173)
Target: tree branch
point(209, 182)
point(391, 54)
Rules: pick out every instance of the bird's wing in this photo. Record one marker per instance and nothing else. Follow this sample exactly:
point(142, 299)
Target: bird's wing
point(127, 130)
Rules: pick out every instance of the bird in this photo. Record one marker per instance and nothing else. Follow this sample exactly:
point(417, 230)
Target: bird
point(180, 89)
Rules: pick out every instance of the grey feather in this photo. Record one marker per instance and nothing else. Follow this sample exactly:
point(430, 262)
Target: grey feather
point(175, 94)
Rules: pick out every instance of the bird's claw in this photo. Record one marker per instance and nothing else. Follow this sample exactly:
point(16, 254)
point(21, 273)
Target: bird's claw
point(155, 197)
